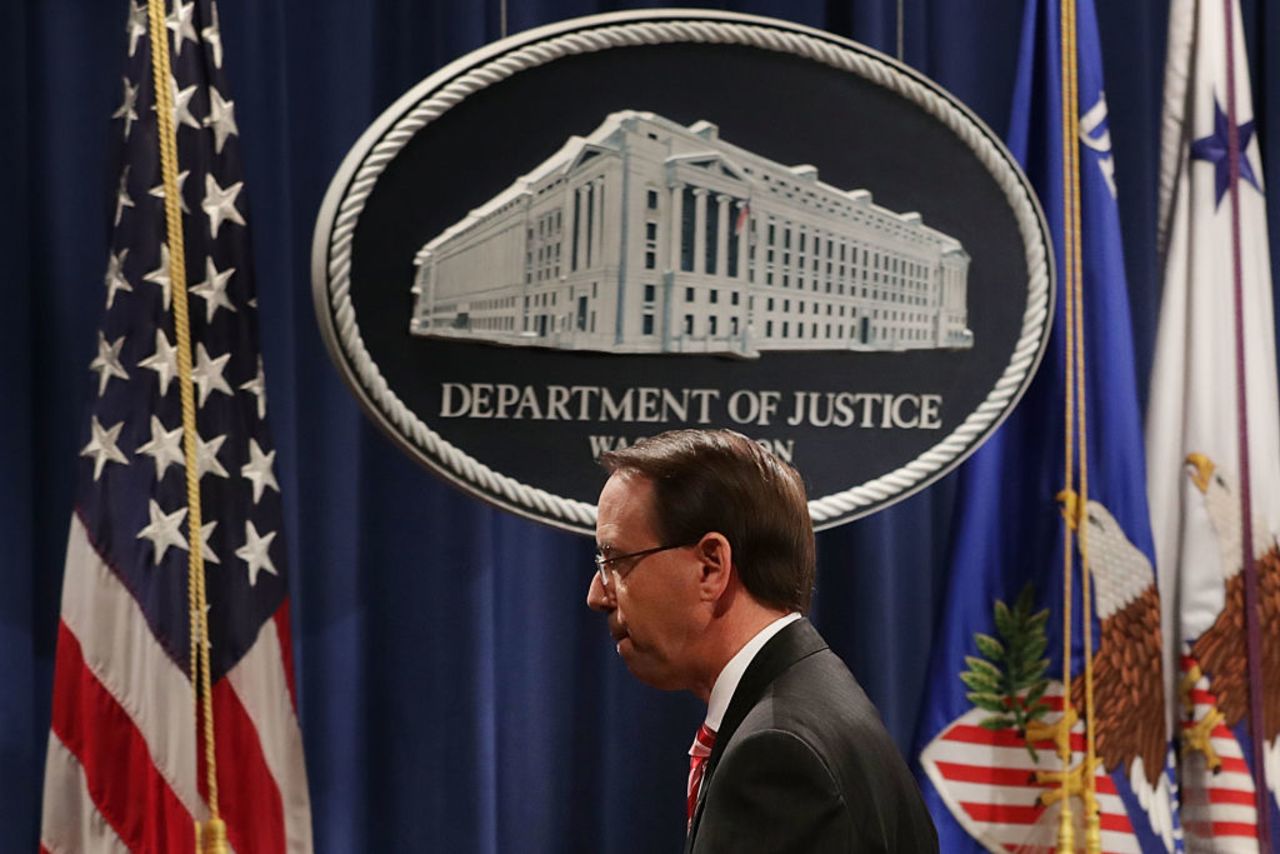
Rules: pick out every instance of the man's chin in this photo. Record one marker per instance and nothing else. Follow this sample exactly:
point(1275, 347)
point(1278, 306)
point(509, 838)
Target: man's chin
point(645, 669)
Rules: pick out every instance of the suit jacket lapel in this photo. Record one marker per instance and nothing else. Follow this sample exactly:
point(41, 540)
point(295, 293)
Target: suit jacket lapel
point(796, 641)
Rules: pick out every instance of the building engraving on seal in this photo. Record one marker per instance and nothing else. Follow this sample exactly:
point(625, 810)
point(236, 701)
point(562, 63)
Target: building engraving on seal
point(651, 237)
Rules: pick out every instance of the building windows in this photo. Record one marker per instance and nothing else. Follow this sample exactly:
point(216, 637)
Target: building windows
point(650, 260)
point(733, 298)
point(715, 296)
point(650, 293)
point(647, 324)
point(768, 329)
point(688, 324)
point(650, 230)
point(711, 325)
point(733, 326)
point(688, 294)
point(652, 200)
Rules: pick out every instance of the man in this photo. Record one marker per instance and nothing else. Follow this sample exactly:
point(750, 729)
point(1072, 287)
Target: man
point(706, 563)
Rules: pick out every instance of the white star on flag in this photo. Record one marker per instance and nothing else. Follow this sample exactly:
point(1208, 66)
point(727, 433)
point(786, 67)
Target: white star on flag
point(102, 446)
point(213, 36)
point(122, 196)
point(115, 279)
point(136, 28)
point(165, 446)
point(258, 388)
point(160, 275)
point(213, 290)
point(127, 110)
point(207, 373)
point(164, 361)
point(107, 362)
point(158, 192)
point(220, 204)
point(254, 552)
point(163, 530)
point(221, 118)
point(207, 457)
point(182, 105)
point(180, 22)
point(258, 470)
point(206, 531)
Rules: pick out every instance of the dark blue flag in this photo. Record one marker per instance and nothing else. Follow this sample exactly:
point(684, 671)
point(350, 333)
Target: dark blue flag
point(990, 733)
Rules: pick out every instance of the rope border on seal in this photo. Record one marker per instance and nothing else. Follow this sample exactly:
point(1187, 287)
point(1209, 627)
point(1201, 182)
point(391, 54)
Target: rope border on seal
point(580, 513)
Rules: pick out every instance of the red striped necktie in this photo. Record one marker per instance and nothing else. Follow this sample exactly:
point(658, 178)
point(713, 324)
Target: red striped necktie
point(698, 753)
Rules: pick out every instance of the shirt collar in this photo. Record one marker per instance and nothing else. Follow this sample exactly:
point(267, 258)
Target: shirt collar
point(727, 682)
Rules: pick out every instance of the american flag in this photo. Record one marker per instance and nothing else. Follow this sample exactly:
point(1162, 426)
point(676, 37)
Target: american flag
point(125, 767)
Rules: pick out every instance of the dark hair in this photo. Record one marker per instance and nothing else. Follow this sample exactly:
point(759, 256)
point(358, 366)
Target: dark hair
point(719, 480)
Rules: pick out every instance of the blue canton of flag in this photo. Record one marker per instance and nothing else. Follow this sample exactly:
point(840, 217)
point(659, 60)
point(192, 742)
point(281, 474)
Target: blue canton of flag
point(993, 725)
point(125, 764)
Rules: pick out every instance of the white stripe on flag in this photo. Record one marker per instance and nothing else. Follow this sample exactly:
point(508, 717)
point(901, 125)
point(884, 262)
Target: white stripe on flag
point(259, 682)
point(71, 824)
point(123, 654)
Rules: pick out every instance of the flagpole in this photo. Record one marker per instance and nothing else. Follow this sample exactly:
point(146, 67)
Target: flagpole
point(1253, 639)
point(210, 838)
point(1066, 823)
point(1074, 234)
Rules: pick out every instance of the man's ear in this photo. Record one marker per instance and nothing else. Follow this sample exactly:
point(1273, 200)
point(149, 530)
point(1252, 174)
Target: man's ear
point(716, 557)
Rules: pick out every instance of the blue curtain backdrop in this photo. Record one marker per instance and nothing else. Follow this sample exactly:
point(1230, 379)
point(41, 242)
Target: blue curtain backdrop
point(456, 694)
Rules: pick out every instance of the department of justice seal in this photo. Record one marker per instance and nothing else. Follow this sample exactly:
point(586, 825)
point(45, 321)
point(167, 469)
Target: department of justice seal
point(623, 224)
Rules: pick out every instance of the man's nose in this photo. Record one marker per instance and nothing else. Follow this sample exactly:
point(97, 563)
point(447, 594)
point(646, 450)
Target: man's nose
point(597, 598)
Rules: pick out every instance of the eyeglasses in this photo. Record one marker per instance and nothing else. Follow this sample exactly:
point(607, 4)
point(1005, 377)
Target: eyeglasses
point(603, 563)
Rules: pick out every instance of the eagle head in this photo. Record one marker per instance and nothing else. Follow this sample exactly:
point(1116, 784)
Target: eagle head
point(1201, 470)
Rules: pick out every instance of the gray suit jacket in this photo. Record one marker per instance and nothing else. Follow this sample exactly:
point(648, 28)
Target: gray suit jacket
point(802, 763)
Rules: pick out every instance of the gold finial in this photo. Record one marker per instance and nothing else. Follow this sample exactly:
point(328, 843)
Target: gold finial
point(1071, 509)
point(213, 837)
point(1203, 470)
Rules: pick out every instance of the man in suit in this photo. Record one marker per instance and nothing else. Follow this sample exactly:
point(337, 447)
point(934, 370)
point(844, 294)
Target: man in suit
point(705, 565)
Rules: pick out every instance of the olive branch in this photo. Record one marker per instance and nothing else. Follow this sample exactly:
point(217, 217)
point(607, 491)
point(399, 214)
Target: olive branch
point(1008, 680)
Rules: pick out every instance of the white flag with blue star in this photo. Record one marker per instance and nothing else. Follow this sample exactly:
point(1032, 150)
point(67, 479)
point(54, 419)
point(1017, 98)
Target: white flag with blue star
point(1213, 384)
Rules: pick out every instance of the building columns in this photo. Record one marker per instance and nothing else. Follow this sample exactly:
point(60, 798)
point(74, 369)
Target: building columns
point(699, 230)
point(580, 224)
point(722, 235)
point(744, 238)
point(597, 213)
point(677, 226)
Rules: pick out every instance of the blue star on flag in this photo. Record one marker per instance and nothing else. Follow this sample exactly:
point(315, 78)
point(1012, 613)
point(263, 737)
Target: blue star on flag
point(1214, 148)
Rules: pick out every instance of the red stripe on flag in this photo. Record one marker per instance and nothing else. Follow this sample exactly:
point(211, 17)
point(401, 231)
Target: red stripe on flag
point(1234, 765)
point(1186, 662)
point(1003, 813)
point(248, 797)
point(1015, 814)
point(119, 775)
point(970, 734)
point(1231, 796)
point(285, 636)
point(1115, 822)
point(1202, 698)
point(1235, 828)
point(962, 773)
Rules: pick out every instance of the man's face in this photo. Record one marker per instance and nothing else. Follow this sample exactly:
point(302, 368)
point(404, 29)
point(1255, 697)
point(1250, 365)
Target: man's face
point(653, 607)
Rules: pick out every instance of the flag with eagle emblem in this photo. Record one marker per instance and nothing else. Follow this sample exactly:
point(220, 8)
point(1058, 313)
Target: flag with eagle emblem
point(994, 721)
point(1213, 394)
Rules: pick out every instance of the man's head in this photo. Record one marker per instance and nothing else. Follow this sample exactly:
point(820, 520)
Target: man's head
point(728, 542)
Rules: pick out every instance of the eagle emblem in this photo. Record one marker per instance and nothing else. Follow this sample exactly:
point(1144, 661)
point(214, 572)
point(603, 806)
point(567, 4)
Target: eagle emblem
point(1012, 739)
point(1214, 689)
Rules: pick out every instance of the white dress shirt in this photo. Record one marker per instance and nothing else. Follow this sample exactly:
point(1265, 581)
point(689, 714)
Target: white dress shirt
point(727, 681)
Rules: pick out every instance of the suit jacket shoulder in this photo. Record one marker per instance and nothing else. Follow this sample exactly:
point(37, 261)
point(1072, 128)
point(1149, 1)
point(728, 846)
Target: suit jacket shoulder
point(802, 762)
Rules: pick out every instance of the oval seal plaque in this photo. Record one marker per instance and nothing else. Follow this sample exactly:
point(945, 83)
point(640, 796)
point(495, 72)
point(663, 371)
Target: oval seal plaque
point(623, 224)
